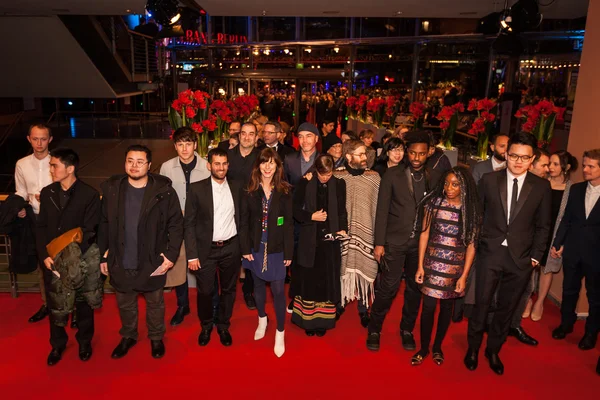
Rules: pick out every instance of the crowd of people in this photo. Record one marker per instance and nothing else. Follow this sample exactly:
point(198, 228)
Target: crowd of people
point(343, 221)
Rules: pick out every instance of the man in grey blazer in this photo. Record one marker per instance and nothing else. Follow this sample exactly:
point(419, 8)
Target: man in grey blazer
point(188, 167)
point(497, 162)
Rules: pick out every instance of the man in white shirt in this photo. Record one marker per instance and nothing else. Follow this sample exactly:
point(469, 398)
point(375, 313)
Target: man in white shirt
point(578, 243)
point(211, 226)
point(32, 174)
point(183, 170)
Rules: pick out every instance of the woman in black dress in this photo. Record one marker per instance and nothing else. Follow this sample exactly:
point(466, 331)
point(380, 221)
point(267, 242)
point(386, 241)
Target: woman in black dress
point(267, 238)
point(320, 208)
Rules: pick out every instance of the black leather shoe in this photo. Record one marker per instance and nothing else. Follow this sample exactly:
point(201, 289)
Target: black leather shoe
point(522, 336)
point(364, 319)
point(320, 332)
point(472, 359)
point(123, 347)
point(339, 311)
point(85, 351)
point(225, 337)
point(598, 367)
point(408, 340)
point(588, 341)
point(373, 341)
point(495, 363)
point(561, 332)
point(250, 302)
point(204, 337)
point(309, 332)
point(74, 320)
point(180, 315)
point(158, 348)
point(39, 315)
point(55, 356)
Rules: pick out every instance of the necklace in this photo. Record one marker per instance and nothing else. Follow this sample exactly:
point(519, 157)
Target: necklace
point(415, 179)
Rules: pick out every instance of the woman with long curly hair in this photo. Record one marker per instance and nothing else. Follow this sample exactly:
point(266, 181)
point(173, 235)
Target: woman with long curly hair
point(451, 220)
point(267, 238)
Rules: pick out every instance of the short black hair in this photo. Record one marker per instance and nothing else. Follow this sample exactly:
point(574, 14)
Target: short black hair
point(66, 156)
point(351, 134)
point(184, 134)
point(39, 125)
point(415, 137)
point(274, 124)
point(496, 136)
point(216, 152)
point(538, 153)
point(522, 138)
point(141, 148)
point(327, 122)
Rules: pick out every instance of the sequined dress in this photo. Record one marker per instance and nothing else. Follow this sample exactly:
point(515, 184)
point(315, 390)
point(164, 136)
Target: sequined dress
point(445, 255)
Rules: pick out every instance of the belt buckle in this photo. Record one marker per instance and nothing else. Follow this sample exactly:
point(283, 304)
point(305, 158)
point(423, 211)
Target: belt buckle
point(220, 243)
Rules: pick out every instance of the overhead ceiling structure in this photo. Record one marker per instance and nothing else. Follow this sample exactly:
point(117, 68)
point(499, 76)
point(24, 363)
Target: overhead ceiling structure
point(73, 7)
point(563, 9)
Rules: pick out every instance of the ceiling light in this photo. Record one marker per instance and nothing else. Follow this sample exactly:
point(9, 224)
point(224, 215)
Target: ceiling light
point(255, 52)
point(264, 12)
point(390, 56)
point(398, 12)
point(237, 53)
point(128, 10)
point(165, 12)
point(286, 51)
point(336, 49)
point(175, 18)
point(308, 50)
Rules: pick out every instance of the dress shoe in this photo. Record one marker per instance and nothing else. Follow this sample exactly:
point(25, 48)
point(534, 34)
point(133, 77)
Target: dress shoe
point(279, 348)
point(123, 347)
point(320, 332)
point(365, 318)
point(250, 302)
point(588, 341)
point(85, 351)
point(522, 336)
point(472, 359)
point(157, 348)
point(373, 341)
point(408, 340)
point(339, 311)
point(561, 332)
point(262, 327)
point(74, 320)
point(495, 363)
point(290, 307)
point(180, 315)
point(40, 314)
point(55, 356)
point(225, 337)
point(204, 337)
point(309, 332)
point(418, 358)
point(438, 357)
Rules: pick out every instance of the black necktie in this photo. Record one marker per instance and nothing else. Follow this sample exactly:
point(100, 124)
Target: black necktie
point(513, 200)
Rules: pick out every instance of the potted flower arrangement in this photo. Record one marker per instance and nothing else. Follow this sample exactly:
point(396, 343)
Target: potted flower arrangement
point(448, 117)
point(375, 107)
point(351, 107)
point(392, 109)
point(245, 105)
point(540, 120)
point(361, 107)
point(190, 109)
point(483, 125)
point(417, 110)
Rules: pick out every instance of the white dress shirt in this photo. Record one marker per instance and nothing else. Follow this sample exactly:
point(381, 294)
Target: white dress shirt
point(592, 193)
point(509, 186)
point(498, 165)
point(31, 176)
point(224, 212)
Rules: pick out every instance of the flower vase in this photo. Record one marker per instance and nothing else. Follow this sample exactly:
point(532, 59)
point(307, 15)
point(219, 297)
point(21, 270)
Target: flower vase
point(482, 145)
point(203, 144)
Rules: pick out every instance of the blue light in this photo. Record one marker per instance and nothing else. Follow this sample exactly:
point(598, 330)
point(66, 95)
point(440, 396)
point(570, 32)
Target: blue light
point(92, 101)
point(149, 14)
point(70, 103)
point(73, 127)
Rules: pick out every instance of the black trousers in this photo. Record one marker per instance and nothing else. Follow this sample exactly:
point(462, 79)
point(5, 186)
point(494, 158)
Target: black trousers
point(427, 319)
point(573, 274)
point(399, 259)
point(155, 314)
point(224, 261)
point(496, 272)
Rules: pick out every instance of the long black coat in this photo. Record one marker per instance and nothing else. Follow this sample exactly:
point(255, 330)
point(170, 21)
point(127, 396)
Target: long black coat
point(280, 238)
point(160, 230)
point(304, 207)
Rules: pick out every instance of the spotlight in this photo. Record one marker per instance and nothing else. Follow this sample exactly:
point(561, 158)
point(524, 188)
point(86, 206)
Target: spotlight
point(286, 51)
point(70, 103)
point(336, 49)
point(165, 11)
point(308, 50)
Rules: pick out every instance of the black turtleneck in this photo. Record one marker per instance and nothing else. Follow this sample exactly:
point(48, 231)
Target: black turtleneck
point(353, 171)
point(187, 172)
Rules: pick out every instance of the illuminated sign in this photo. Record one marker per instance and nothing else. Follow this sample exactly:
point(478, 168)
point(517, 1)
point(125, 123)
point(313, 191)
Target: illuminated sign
point(187, 67)
point(200, 38)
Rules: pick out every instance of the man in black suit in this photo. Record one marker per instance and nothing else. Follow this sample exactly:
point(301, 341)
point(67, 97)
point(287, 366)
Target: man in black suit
point(271, 132)
point(66, 204)
point(514, 235)
point(211, 226)
point(401, 189)
point(298, 164)
point(578, 242)
point(496, 162)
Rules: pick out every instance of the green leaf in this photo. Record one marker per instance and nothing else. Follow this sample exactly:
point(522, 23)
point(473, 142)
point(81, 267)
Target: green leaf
point(174, 119)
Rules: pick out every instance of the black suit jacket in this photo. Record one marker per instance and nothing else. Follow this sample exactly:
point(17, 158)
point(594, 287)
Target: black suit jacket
point(396, 205)
point(280, 238)
point(579, 235)
point(81, 211)
point(282, 150)
point(528, 231)
point(293, 168)
point(199, 217)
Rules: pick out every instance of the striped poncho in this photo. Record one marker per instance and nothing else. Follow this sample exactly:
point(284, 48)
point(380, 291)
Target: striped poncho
point(359, 268)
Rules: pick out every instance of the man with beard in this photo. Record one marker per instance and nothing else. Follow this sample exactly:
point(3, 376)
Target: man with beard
point(495, 163)
point(299, 164)
point(212, 216)
point(359, 268)
point(140, 235)
point(241, 159)
point(396, 248)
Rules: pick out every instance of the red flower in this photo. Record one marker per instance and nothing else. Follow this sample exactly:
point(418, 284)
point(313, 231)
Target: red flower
point(545, 107)
point(176, 105)
point(520, 114)
point(529, 125)
point(197, 127)
point(445, 114)
point(488, 117)
point(477, 127)
point(190, 112)
point(459, 107)
point(351, 101)
point(485, 104)
point(560, 113)
point(210, 124)
point(472, 105)
point(200, 99)
point(417, 109)
point(444, 125)
point(185, 98)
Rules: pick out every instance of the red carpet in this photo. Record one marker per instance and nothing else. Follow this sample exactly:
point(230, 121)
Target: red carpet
point(337, 366)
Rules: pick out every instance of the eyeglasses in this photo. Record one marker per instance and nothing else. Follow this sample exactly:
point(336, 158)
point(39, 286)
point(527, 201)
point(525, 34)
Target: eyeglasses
point(359, 155)
point(270, 132)
point(516, 157)
point(136, 163)
point(397, 150)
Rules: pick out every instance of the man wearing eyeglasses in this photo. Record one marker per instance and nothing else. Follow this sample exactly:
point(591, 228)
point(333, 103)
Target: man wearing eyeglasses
point(140, 235)
point(271, 132)
point(514, 235)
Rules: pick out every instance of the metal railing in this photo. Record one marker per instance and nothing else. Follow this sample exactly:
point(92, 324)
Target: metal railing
point(8, 131)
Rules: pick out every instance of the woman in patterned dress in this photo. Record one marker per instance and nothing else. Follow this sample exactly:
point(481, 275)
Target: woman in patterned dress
point(451, 217)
